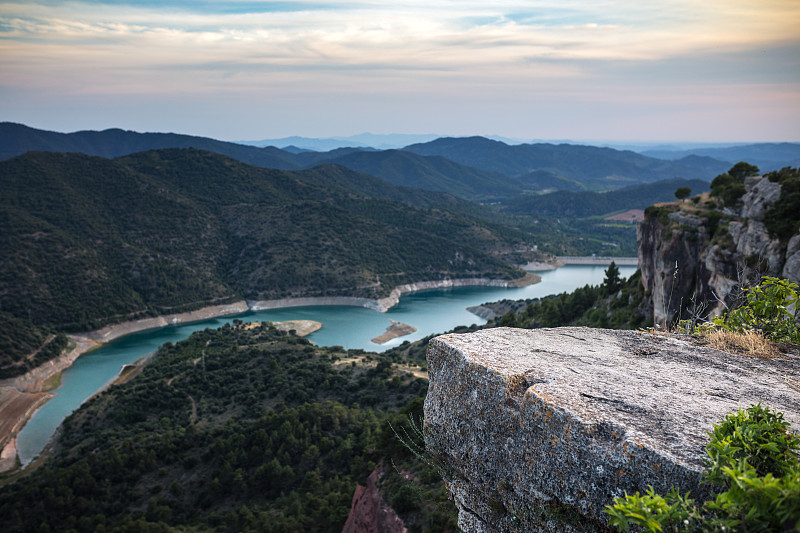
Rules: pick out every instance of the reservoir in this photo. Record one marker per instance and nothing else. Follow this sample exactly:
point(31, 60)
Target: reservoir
point(430, 311)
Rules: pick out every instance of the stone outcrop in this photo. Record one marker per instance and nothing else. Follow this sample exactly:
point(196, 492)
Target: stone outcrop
point(711, 269)
point(369, 512)
point(538, 430)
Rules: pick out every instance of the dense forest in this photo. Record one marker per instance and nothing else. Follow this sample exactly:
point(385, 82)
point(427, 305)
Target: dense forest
point(88, 241)
point(91, 241)
point(24, 346)
point(250, 428)
point(586, 203)
point(241, 428)
point(614, 304)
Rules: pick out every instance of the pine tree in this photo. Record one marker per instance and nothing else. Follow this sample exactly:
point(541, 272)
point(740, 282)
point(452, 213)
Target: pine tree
point(612, 283)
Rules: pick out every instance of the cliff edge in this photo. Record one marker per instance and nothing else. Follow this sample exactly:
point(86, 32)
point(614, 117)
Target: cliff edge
point(701, 252)
point(538, 430)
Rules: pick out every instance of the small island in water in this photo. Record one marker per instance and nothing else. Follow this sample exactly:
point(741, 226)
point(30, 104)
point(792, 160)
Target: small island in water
point(395, 329)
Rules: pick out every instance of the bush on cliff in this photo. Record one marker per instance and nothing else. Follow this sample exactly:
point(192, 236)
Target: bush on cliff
point(783, 218)
point(752, 455)
point(770, 308)
point(729, 187)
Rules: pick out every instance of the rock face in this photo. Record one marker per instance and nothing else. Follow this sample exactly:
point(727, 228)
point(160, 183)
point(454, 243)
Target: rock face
point(538, 430)
point(369, 512)
point(710, 268)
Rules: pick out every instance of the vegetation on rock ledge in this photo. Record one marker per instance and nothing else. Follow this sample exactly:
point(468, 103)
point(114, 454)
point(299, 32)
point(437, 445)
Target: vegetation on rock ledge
point(753, 457)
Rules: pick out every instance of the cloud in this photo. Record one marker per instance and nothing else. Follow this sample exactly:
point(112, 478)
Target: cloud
point(437, 49)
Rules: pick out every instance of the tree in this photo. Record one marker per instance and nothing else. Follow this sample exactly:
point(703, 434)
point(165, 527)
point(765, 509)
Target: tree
point(612, 283)
point(682, 193)
point(742, 170)
point(729, 187)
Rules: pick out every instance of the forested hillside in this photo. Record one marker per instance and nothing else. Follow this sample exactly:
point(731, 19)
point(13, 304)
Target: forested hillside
point(603, 168)
point(16, 139)
point(586, 203)
point(88, 240)
point(766, 156)
point(474, 167)
point(242, 428)
point(432, 173)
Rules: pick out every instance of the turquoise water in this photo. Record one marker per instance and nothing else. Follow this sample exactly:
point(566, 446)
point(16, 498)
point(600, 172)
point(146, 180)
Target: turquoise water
point(430, 311)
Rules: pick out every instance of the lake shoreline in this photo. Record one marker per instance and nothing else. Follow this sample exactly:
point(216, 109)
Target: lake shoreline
point(115, 331)
point(33, 381)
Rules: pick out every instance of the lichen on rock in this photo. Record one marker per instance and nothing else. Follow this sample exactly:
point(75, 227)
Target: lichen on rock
point(538, 430)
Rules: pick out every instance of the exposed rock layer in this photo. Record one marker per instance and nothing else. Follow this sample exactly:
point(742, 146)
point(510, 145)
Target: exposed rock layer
point(682, 263)
point(538, 430)
point(369, 512)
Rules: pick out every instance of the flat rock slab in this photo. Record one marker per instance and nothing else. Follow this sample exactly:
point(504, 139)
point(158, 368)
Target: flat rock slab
point(538, 430)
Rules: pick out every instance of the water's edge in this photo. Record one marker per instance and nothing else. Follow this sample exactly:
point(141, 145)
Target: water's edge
point(34, 380)
point(431, 307)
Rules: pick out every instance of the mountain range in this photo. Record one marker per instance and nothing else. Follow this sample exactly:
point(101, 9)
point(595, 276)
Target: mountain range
point(603, 168)
point(766, 156)
point(476, 168)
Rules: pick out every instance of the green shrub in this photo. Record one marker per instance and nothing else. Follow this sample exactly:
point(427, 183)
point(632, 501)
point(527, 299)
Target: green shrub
point(752, 455)
point(729, 187)
point(771, 308)
point(658, 211)
point(782, 219)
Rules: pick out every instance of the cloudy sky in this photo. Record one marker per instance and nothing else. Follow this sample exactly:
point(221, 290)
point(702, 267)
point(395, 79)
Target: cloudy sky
point(663, 70)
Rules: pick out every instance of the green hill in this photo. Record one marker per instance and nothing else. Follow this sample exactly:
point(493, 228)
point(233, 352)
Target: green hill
point(586, 203)
point(88, 241)
point(475, 168)
point(399, 168)
point(433, 173)
point(237, 429)
point(599, 167)
point(16, 139)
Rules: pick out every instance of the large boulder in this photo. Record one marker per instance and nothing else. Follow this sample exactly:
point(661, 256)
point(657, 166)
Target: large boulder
point(538, 430)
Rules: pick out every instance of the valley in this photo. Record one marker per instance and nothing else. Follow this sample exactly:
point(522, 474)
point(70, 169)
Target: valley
point(201, 249)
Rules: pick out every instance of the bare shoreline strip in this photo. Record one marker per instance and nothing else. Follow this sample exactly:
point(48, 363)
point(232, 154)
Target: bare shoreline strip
point(592, 260)
point(34, 380)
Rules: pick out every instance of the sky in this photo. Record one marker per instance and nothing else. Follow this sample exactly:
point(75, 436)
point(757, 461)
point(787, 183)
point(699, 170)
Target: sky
point(611, 70)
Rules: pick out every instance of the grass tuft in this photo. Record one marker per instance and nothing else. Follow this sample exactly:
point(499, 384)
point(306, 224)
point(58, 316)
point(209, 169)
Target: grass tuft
point(750, 343)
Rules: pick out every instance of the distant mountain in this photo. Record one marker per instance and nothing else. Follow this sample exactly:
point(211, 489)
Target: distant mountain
point(542, 180)
point(389, 140)
point(475, 168)
point(586, 203)
point(433, 173)
point(599, 167)
point(400, 168)
point(338, 177)
point(87, 240)
point(363, 140)
point(767, 156)
point(306, 144)
point(16, 139)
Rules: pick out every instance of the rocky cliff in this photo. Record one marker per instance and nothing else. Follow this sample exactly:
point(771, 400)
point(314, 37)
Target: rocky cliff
point(538, 430)
point(694, 253)
point(369, 512)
